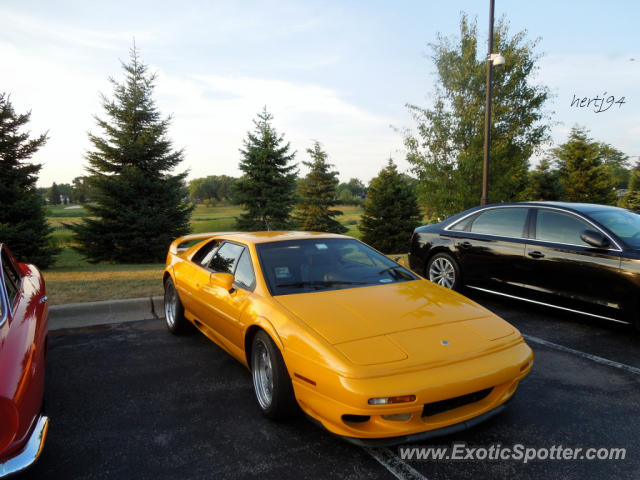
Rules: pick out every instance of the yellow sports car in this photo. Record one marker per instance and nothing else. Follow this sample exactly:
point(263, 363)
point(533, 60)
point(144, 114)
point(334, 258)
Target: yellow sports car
point(367, 348)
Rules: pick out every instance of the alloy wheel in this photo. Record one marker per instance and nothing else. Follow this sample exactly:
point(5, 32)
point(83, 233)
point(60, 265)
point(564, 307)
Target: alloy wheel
point(442, 272)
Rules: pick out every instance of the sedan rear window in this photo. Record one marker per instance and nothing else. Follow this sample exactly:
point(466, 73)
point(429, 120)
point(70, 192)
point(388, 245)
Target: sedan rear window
point(503, 222)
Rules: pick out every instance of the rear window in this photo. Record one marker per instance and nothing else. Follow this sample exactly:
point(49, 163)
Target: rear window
point(504, 222)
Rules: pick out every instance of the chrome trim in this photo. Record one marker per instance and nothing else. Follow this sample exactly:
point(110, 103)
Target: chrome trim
point(447, 228)
point(5, 313)
point(4, 302)
point(548, 305)
point(575, 245)
point(31, 451)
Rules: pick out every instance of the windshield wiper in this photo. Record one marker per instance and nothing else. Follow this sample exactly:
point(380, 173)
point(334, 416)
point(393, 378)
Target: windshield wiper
point(319, 283)
point(391, 268)
point(396, 271)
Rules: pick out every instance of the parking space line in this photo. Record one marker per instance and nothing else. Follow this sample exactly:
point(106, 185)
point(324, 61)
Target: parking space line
point(595, 358)
point(398, 468)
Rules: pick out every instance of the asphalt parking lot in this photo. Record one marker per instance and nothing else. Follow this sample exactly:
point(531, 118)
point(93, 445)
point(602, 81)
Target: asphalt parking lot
point(132, 401)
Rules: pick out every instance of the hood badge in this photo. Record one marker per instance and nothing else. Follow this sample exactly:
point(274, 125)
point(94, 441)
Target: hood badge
point(445, 343)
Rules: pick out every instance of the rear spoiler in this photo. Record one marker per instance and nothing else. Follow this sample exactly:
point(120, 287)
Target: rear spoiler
point(175, 248)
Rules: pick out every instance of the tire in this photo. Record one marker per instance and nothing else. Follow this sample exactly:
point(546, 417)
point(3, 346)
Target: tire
point(444, 270)
point(174, 311)
point(271, 381)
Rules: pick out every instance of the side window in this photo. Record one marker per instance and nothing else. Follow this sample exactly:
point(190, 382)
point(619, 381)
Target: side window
point(462, 224)
point(244, 272)
point(226, 257)
point(204, 255)
point(11, 278)
point(552, 226)
point(505, 222)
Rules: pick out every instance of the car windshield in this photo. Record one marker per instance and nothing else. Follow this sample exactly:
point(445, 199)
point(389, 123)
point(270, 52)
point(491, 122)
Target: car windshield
point(309, 265)
point(623, 223)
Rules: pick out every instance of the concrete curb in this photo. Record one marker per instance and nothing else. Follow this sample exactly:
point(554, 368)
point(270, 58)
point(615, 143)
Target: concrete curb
point(75, 315)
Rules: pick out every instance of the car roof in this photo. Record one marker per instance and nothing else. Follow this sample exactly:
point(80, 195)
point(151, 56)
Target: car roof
point(578, 207)
point(273, 236)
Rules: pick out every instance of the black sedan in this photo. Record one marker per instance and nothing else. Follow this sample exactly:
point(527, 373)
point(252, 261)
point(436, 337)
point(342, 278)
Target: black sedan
point(574, 256)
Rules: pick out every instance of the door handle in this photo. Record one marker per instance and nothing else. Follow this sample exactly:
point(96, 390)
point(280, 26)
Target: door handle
point(536, 254)
point(43, 299)
point(465, 245)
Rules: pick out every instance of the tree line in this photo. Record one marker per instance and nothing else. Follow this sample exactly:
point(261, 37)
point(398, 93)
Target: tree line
point(138, 203)
point(220, 189)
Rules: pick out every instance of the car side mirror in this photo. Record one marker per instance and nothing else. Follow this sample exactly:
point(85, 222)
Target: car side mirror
point(595, 239)
point(222, 280)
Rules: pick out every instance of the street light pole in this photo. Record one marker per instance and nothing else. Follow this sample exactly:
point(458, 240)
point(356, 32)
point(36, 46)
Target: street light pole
point(487, 114)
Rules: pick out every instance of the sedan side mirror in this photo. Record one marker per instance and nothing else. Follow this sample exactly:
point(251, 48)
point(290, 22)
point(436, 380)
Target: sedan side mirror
point(595, 239)
point(223, 280)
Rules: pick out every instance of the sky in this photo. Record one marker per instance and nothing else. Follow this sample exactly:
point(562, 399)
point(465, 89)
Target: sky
point(339, 72)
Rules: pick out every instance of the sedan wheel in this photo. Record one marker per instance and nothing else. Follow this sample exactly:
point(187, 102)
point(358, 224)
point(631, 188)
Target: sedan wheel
point(443, 270)
point(271, 382)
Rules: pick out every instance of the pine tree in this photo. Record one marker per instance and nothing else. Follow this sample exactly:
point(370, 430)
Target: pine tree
point(544, 183)
point(267, 188)
point(631, 199)
point(23, 225)
point(54, 195)
point(139, 206)
point(391, 212)
point(317, 193)
point(583, 174)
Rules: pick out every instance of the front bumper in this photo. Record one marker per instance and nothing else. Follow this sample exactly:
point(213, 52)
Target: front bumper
point(418, 437)
point(347, 397)
point(31, 451)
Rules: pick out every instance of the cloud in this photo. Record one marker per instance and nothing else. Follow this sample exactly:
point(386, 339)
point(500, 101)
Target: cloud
point(34, 28)
point(212, 114)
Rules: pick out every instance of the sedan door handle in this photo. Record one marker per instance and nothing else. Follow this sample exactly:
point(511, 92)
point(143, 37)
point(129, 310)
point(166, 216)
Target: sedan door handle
point(536, 254)
point(465, 245)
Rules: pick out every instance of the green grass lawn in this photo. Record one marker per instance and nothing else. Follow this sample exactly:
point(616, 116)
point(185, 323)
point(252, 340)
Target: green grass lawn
point(66, 211)
point(72, 279)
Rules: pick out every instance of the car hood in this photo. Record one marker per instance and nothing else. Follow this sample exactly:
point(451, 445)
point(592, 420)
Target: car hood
point(391, 323)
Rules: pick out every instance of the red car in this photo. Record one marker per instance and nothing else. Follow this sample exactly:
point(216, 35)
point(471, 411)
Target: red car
point(23, 351)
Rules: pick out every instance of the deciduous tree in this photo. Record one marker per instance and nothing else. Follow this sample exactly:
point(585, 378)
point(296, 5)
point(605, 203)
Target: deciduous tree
point(446, 150)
